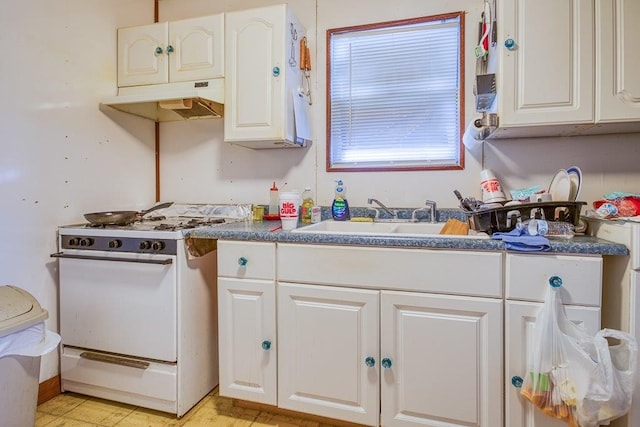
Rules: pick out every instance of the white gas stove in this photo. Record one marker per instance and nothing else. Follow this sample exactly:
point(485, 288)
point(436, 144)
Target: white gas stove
point(138, 312)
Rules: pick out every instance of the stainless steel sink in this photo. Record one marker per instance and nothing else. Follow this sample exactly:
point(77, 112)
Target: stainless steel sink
point(388, 229)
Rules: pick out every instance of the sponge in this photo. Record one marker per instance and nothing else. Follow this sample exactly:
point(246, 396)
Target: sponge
point(361, 219)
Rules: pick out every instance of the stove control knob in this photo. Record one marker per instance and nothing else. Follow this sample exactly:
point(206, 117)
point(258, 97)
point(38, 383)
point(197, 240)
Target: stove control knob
point(86, 242)
point(74, 241)
point(157, 246)
point(115, 244)
point(145, 244)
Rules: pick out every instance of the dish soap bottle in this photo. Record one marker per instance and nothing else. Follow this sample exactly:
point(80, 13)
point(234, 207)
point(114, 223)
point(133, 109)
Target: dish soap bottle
point(307, 205)
point(340, 206)
point(274, 208)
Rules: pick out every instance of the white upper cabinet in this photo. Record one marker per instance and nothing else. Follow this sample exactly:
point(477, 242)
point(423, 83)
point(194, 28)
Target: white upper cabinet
point(618, 61)
point(567, 67)
point(262, 54)
point(177, 51)
point(546, 57)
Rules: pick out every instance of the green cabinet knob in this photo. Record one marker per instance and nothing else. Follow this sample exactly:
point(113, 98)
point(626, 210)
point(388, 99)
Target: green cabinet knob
point(169, 49)
point(555, 281)
point(266, 345)
point(159, 50)
point(517, 381)
point(370, 361)
point(242, 261)
point(386, 363)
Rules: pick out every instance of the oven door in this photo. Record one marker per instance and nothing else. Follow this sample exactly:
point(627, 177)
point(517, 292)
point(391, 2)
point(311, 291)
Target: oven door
point(119, 303)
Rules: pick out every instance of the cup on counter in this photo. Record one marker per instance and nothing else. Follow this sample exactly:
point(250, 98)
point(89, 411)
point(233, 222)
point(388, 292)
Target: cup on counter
point(491, 188)
point(258, 213)
point(289, 209)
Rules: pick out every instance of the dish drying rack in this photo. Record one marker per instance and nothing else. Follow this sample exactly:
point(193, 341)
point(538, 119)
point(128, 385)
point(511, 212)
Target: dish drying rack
point(506, 218)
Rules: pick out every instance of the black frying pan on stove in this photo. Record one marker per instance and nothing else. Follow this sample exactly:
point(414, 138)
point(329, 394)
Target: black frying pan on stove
point(121, 217)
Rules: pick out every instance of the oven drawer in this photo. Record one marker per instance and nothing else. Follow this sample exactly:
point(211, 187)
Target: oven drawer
point(120, 306)
point(247, 260)
point(109, 380)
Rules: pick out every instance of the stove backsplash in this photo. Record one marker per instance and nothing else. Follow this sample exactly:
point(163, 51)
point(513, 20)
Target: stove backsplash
point(239, 211)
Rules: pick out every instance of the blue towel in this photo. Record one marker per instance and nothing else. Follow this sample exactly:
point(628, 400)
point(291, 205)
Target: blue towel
point(519, 239)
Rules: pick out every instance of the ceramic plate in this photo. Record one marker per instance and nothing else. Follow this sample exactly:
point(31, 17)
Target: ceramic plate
point(575, 176)
point(560, 188)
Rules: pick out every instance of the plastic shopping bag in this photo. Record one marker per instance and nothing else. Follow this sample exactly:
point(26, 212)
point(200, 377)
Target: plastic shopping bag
point(573, 375)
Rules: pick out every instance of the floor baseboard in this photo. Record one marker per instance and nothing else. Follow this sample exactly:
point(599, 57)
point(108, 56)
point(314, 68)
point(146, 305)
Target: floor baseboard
point(48, 389)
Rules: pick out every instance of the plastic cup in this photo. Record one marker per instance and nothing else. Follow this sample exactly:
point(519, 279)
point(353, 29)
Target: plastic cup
point(491, 188)
point(289, 209)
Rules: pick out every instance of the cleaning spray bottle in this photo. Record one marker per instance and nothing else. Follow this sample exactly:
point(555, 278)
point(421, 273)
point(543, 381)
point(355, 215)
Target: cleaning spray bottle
point(340, 206)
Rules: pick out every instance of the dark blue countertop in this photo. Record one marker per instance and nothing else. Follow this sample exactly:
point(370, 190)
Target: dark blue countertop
point(260, 231)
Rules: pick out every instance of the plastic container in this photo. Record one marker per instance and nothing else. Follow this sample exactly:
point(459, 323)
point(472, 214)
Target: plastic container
point(274, 207)
point(306, 212)
point(340, 205)
point(23, 339)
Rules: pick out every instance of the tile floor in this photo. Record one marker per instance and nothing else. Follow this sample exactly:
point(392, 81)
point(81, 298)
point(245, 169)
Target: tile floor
point(76, 410)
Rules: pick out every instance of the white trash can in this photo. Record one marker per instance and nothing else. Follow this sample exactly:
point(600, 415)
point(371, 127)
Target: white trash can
point(23, 339)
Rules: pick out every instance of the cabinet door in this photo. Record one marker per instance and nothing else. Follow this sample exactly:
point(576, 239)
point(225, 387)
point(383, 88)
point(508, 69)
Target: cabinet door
point(255, 66)
point(247, 339)
point(442, 360)
point(142, 55)
point(618, 60)
point(520, 318)
point(547, 77)
point(198, 48)
point(326, 336)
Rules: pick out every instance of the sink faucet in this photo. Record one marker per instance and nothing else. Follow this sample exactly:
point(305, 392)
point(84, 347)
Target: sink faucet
point(384, 208)
point(431, 208)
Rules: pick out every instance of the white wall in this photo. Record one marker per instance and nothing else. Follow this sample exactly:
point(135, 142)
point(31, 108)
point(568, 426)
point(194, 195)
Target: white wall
point(62, 157)
point(197, 166)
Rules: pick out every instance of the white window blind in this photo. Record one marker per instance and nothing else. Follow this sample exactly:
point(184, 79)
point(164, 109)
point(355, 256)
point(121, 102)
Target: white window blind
point(394, 95)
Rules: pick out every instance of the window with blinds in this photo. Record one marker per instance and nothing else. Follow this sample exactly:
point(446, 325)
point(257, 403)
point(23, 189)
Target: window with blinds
point(395, 95)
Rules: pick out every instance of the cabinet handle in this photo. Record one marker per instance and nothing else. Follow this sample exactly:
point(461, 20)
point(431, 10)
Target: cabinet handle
point(555, 281)
point(517, 381)
point(370, 362)
point(159, 50)
point(276, 71)
point(510, 44)
point(386, 363)
point(242, 261)
point(266, 345)
point(169, 49)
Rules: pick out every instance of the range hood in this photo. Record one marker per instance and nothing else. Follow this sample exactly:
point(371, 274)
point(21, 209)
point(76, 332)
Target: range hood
point(171, 101)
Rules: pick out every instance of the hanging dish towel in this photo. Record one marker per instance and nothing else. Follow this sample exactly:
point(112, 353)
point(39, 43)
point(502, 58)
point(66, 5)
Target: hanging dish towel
point(519, 239)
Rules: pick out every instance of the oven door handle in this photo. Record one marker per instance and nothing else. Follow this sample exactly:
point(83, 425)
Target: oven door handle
point(104, 258)
point(115, 360)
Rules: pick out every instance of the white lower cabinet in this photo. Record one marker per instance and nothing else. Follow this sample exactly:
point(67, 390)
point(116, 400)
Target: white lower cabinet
point(520, 318)
point(390, 336)
point(359, 342)
point(444, 354)
point(435, 363)
point(527, 279)
point(325, 336)
point(247, 321)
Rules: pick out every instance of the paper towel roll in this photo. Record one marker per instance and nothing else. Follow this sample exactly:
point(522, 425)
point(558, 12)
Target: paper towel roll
point(472, 137)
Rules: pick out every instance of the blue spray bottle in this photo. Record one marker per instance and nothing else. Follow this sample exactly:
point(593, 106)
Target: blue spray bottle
point(340, 206)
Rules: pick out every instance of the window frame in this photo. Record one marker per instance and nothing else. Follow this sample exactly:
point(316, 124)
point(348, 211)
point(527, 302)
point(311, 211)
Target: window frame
point(461, 91)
